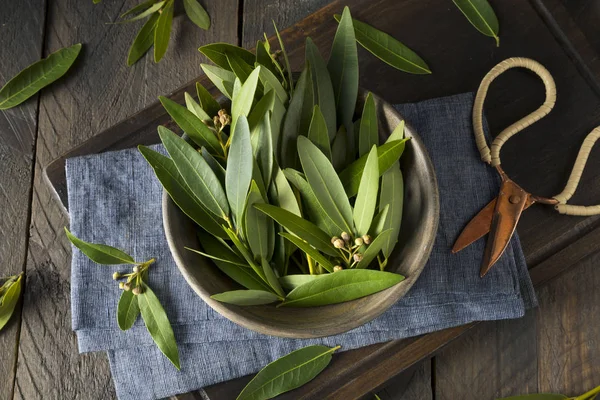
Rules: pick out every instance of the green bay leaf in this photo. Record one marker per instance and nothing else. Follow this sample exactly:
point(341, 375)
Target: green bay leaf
point(216, 52)
point(196, 13)
point(195, 108)
point(238, 173)
point(291, 123)
point(222, 79)
point(246, 297)
point(369, 129)
point(392, 195)
point(317, 132)
point(322, 86)
point(310, 251)
point(481, 15)
point(9, 300)
point(242, 103)
point(291, 282)
point(127, 310)
point(286, 59)
point(207, 102)
point(259, 229)
point(366, 199)
point(162, 32)
point(373, 249)
point(100, 253)
point(143, 40)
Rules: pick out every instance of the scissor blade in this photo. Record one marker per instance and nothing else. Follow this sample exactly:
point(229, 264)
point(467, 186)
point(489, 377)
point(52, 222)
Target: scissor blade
point(510, 203)
point(477, 227)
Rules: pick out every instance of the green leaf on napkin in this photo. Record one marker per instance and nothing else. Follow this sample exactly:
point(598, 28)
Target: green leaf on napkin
point(162, 33)
point(481, 15)
point(288, 372)
point(10, 293)
point(37, 76)
point(100, 253)
point(127, 310)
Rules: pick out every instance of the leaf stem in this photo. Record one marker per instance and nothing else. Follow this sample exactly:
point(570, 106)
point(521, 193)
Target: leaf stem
point(589, 394)
point(311, 265)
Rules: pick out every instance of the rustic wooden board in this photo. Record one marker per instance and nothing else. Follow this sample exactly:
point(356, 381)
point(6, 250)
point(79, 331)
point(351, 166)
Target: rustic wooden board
point(22, 30)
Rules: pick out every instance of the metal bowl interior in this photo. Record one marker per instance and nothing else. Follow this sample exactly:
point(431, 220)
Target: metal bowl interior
point(417, 235)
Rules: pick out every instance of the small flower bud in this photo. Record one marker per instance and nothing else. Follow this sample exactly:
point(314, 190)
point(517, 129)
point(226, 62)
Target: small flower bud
point(366, 239)
point(225, 119)
point(121, 285)
point(334, 239)
point(216, 122)
point(222, 112)
point(358, 241)
point(338, 244)
point(136, 269)
point(345, 236)
point(127, 287)
point(116, 276)
point(136, 290)
point(358, 257)
point(337, 268)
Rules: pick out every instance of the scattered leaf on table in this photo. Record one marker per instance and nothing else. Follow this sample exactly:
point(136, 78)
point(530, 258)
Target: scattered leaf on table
point(343, 68)
point(143, 41)
point(242, 103)
point(392, 195)
point(293, 281)
point(310, 251)
point(366, 199)
point(322, 86)
point(196, 173)
point(374, 248)
point(192, 125)
point(341, 286)
point(300, 227)
point(317, 132)
point(246, 297)
point(216, 52)
point(196, 13)
point(368, 134)
point(9, 300)
point(387, 153)
point(326, 185)
point(222, 79)
point(100, 253)
point(172, 181)
point(388, 49)
point(158, 324)
point(288, 372)
point(37, 76)
point(481, 15)
point(149, 11)
point(127, 310)
point(207, 102)
point(238, 174)
point(162, 32)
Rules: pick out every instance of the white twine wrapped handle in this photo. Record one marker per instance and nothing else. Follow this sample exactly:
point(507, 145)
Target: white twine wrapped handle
point(493, 156)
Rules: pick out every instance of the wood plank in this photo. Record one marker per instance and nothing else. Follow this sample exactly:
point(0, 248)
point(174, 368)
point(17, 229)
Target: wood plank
point(414, 384)
point(99, 92)
point(22, 30)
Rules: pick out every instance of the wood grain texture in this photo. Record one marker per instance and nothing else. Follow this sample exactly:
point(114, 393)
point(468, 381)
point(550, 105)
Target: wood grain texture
point(414, 384)
point(22, 30)
point(98, 92)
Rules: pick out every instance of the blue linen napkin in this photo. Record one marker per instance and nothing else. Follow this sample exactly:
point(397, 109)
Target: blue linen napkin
point(114, 198)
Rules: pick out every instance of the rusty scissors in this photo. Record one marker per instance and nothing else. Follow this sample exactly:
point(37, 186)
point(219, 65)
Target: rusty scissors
point(500, 216)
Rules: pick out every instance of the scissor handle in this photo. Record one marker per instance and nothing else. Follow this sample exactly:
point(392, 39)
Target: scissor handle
point(493, 156)
point(575, 177)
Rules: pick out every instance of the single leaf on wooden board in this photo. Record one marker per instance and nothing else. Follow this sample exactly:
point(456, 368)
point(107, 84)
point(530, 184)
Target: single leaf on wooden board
point(196, 173)
point(195, 108)
point(172, 181)
point(192, 125)
point(162, 32)
point(366, 199)
point(368, 134)
point(288, 372)
point(310, 251)
point(300, 227)
point(216, 52)
point(246, 297)
point(317, 132)
point(9, 300)
point(343, 69)
point(259, 228)
point(326, 185)
point(207, 102)
point(100, 253)
point(238, 173)
point(392, 196)
point(481, 15)
point(154, 8)
point(196, 13)
point(127, 310)
point(139, 8)
point(388, 49)
point(37, 76)
point(143, 40)
point(291, 282)
point(158, 324)
point(387, 154)
point(341, 286)
point(222, 78)
point(374, 248)
point(322, 86)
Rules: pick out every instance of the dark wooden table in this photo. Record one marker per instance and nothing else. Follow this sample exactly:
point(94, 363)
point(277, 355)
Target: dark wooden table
point(554, 348)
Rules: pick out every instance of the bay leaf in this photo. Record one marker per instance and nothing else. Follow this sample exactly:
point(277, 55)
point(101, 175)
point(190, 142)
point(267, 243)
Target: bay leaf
point(195, 108)
point(264, 149)
point(271, 277)
point(343, 69)
point(378, 224)
point(241, 247)
point(139, 8)
point(207, 102)
point(143, 40)
point(172, 181)
point(388, 49)
point(481, 15)
point(196, 13)
point(162, 33)
point(128, 310)
point(37, 76)
point(277, 116)
point(265, 104)
point(192, 126)
point(322, 86)
point(366, 199)
point(147, 12)
point(214, 165)
point(286, 59)
point(216, 52)
point(196, 173)
point(257, 226)
point(263, 57)
point(286, 198)
point(326, 185)
point(374, 248)
point(369, 129)
point(288, 372)
point(230, 259)
point(238, 173)
point(100, 253)
point(397, 133)
point(242, 103)
point(300, 227)
point(9, 300)
point(339, 149)
point(392, 195)
point(387, 154)
point(293, 281)
point(291, 124)
point(317, 132)
point(341, 286)
point(222, 79)
point(246, 297)
point(239, 67)
point(308, 103)
point(158, 324)
point(271, 82)
point(310, 251)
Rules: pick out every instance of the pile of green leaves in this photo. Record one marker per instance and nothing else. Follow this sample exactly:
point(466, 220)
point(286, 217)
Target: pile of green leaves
point(10, 291)
point(294, 197)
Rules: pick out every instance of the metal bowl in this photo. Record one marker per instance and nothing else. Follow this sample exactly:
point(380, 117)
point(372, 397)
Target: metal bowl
point(417, 234)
